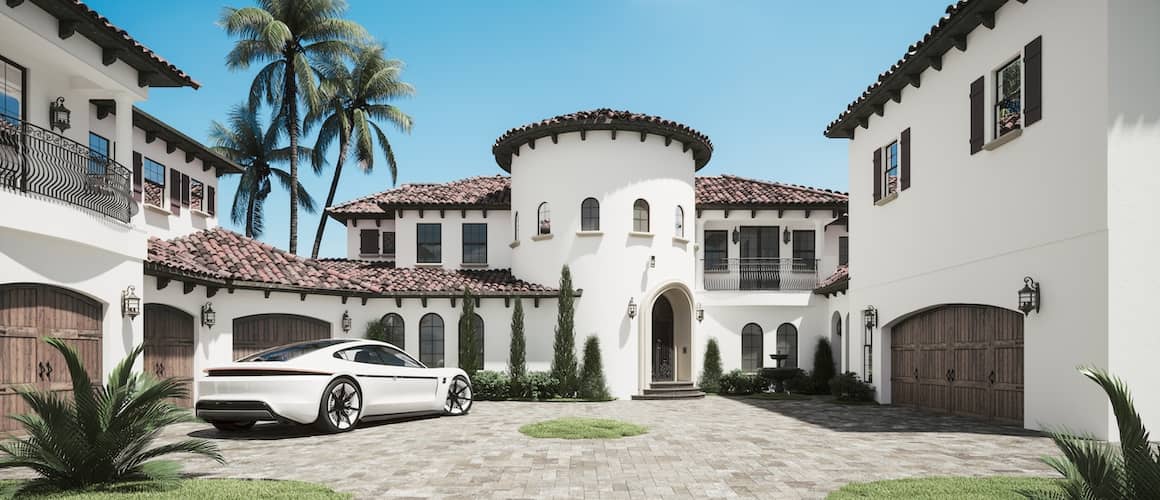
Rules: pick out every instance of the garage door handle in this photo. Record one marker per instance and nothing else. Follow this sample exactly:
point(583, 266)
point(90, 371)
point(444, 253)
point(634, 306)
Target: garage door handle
point(40, 370)
point(948, 375)
point(916, 373)
point(954, 375)
point(992, 377)
point(48, 370)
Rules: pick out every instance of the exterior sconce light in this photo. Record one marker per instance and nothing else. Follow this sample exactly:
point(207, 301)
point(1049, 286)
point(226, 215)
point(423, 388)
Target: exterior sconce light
point(1029, 296)
point(736, 235)
point(652, 261)
point(130, 303)
point(58, 115)
point(208, 316)
point(345, 321)
point(786, 235)
point(700, 313)
point(631, 308)
point(870, 317)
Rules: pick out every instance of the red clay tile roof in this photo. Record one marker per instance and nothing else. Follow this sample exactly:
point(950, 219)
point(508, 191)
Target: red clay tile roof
point(224, 255)
point(837, 282)
point(733, 191)
point(601, 119)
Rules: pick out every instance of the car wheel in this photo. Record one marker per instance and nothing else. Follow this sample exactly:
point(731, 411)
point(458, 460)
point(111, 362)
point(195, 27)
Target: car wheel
point(233, 426)
point(341, 406)
point(458, 397)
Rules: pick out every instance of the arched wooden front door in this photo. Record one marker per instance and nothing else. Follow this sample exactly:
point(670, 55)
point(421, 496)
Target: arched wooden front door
point(259, 332)
point(962, 360)
point(169, 346)
point(29, 311)
point(662, 338)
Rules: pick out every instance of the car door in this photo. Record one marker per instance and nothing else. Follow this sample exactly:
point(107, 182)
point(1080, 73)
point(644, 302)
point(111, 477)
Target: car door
point(376, 377)
point(415, 385)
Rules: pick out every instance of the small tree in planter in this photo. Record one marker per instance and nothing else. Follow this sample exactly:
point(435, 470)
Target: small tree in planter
point(517, 364)
point(823, 367)
point(469, 351)
point(711, 373)
point(564, 347)
point(592, 375)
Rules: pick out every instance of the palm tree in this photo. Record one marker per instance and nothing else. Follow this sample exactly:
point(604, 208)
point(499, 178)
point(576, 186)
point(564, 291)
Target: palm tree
point(246, 143)
point(289, 36)
point(354, 99)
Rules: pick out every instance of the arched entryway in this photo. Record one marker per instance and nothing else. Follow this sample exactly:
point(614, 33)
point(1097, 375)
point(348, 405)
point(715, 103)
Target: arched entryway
point(668, 339)
point(663, 357)
point(169, 340)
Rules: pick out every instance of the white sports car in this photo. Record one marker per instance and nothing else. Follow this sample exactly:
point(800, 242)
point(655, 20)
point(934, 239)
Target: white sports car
point(332, 383)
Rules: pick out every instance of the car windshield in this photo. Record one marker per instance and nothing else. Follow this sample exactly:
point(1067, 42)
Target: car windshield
point(288, 352)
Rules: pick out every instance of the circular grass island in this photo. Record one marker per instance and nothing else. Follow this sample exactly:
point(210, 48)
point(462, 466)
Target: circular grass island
point(582, 428)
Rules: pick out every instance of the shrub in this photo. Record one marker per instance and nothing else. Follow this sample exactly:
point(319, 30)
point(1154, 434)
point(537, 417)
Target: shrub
point(711, 373)
point(470, 351)
point(101, 435)
point(376, 330)
point(564, 347)
point(517, 357)
point(541, 385)
point(592, 374)
point(848, 387)
point(800, 383)
point(738, 382)
point(823, 367)
point(490, 386)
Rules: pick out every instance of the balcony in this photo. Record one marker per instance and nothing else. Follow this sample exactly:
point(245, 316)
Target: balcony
point(760, 274)
point(38, 161)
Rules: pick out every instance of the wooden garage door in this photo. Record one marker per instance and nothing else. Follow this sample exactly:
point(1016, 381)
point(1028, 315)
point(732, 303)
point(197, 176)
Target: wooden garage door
point(29, 312)
point(260, 332)
point(961, 360)
point(169, 346)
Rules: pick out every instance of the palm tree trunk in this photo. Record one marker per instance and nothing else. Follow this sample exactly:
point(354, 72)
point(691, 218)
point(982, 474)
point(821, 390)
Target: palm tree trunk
point(291, 95)
point(344, 144)
point(250, 210)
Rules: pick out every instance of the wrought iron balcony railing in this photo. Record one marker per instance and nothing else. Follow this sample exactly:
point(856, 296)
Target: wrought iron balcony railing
point(35, 160)
point(760, 274)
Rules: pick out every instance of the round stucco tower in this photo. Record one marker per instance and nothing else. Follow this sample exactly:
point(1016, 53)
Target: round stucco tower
point(614, 165)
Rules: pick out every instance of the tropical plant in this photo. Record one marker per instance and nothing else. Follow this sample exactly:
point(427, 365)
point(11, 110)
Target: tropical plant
point(103, 435)
point(564, 345)
point(354, 100)
point(517, 357)
point(290, 37)
point(592, 384)
point(711, 372)
point(244, 141)
point(376, 330)
point(469, 342)
point(1095, 469)
point(823, 367)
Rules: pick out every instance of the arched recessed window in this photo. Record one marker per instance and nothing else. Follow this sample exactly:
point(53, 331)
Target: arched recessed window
point(679, 222)
point(640, 216)
point(516, 227)
point(431, 340)
point(751, 347)
point(393, 323)
point(590, 215)
point(477, 325)
point(543, 219)
point(787, 344)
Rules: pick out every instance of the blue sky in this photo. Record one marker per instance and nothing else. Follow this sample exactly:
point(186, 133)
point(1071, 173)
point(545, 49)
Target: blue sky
point(761, 77)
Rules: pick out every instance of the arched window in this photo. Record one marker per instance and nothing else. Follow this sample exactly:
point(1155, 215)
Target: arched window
point(640, 216)
point(679, 223)
point(393, 323)
point(477, 324)
point(590, 215)
point(787, 344)
point(431, 340)
point(751, 347)
point(543, 219)
point(516, 227)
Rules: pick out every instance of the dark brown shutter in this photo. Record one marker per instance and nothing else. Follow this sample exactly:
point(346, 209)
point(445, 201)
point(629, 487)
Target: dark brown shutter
point(877, 174)
point(210, 200)
point(185, 190)
point(1033, 79)
point(174, 191)
point(977, 115)
point(368, 241)
point(137, 172)
point(904, 145)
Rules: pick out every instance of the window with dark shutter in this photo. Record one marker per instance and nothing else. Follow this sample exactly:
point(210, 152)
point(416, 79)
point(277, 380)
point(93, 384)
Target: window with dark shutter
point(843, 250)
point(368, 242)
point(388, 243)
point(977, 115)
point(904, 145)
point(1033, 81)
point(184, 190)
point(877, 174)
point(175, 191)
point(211, 200)
point(137, 176)
point(804, 256)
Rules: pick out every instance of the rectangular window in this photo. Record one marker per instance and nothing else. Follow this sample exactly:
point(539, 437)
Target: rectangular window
point(429, 243)
point(12, 86)
point(98, 154)
point(475, 243)
point(843, 250)
point(890, 172)
point(716, 250)
point(389, 243)
point(196, 195)
point(1009, 97)
point(154, 183)
point(368, 242)
point(804, 258)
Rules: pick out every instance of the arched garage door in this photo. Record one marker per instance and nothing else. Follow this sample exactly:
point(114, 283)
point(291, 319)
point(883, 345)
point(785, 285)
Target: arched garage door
point(169, 346)
point(262, 331)
point(961, 360)
point(29, 311)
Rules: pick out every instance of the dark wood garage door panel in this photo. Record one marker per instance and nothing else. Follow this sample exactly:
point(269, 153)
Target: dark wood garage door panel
point(169, 344)
point(254, 334)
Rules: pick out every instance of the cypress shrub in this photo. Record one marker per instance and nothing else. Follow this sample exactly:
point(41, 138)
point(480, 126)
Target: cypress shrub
point(711, 372)
point(564, 347)
point(517, 357)
point(376, 330)
point(592, 375)
point(824, 369)
point(469, 355)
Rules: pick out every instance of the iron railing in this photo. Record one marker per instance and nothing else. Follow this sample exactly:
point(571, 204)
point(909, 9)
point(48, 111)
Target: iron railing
point(760, 274)
point(39, 161)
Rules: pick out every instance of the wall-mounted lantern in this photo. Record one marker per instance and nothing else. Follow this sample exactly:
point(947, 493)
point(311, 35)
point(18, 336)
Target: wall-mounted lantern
point(208, 316)
point(345, 321)
point(786, 236)
point(130, 303)
point(736, 235)
point(652, 261)
point(1029, 296)
point(58, 115)
point(870, 317)
point(631, 308)
point(700, 313)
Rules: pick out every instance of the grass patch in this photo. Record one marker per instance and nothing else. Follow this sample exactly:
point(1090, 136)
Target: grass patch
point(582, 428)
point(959, 488)
point(186, 489)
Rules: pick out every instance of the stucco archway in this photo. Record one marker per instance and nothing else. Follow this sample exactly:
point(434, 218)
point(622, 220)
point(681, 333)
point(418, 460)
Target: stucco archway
point(679, 301)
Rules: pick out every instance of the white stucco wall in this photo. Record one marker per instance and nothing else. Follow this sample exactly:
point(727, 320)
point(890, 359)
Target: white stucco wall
point(353, 244)
point(726, 313)
point(498, 237)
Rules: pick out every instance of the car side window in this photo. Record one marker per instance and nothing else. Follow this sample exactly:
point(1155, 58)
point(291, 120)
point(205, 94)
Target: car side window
point(366, 354)
point(396, 357)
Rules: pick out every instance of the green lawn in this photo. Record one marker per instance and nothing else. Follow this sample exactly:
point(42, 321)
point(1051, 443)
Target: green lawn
point(582, 428)
point(194, 489)
point(958, 488)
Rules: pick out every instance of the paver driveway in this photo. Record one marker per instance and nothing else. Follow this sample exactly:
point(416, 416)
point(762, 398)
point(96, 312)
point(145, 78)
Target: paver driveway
point(715, 447)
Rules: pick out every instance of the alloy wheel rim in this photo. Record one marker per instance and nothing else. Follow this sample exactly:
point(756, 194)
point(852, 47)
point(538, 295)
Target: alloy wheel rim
point(343, 405)
point(458, 397)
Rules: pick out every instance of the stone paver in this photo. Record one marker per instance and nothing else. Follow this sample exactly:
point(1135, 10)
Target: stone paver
point(715, 447)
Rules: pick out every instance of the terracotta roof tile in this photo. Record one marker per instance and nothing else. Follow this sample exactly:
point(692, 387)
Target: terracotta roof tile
point(836, 282)
point(434, 280)
point(730, 190)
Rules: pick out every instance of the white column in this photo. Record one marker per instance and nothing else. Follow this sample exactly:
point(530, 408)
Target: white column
point(124, 138)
